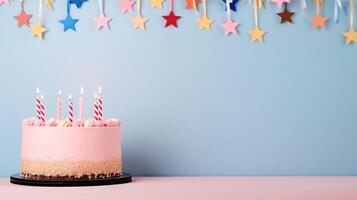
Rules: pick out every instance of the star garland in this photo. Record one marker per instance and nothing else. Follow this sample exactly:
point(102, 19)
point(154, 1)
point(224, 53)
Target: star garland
point(156, 3)
point(139, 21)
point(171, 19)
point(256, 34)
point(351, 34)
point(318, 21)
point(229, 27)
point(204, 22)
point(68, 22)
point(126, 6)
point(286, 15)
point(23, 18)
point(38, 29)
point(102, 21)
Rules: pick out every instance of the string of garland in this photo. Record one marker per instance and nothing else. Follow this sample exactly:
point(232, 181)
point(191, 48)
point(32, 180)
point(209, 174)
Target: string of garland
point(229, 27)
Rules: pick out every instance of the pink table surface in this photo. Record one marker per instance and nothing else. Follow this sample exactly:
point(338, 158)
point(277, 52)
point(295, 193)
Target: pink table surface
point(197, 188)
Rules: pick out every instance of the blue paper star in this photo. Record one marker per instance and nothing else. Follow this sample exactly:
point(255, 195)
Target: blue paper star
point(232, 5)
point(69, 23)
point(78, 3)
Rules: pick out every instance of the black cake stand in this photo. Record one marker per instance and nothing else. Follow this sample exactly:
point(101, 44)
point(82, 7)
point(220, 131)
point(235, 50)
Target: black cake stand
point(17, 179)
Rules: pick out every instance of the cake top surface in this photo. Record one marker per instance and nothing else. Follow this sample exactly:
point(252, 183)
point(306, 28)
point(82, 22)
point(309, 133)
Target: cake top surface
point(97, 121)
point(87, 123)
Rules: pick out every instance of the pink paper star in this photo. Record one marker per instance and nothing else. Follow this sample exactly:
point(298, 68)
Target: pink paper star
point(230, 27)
point(7, 2)
point(280, 2)
point(125, 5)
point(102, 21)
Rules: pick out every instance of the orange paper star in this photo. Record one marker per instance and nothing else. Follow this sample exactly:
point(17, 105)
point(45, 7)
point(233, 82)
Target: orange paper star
point(23, 19)
point(139, 22)
point(318, 21)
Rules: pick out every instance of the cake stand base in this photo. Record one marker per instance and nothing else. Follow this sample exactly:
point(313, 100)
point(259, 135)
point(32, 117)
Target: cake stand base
point(17, 179)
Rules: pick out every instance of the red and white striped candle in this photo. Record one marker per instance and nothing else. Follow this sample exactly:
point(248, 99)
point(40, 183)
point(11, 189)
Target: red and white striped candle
point(96, 109)
point(38, 104)
point(59, 105)
point(70, 110)
point(42, 105)
point(100, 104)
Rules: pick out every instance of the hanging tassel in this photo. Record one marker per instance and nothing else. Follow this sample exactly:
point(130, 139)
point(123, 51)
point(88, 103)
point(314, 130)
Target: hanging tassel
point(303, 5)
point(337, 7)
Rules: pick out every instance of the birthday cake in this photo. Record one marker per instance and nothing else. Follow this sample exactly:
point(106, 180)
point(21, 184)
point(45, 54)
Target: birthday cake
point(70, 148)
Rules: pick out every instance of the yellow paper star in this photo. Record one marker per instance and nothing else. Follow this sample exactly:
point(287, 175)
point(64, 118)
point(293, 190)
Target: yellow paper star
point(38, 30)
point(139, 22)
point(204, 23)
point(256, 34)
point(50, 4)
point(156, 3)
point(350, 35)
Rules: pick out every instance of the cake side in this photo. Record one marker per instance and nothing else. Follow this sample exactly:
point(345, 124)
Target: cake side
point(70, 152)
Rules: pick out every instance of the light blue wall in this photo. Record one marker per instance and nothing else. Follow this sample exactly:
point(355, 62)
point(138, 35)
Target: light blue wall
point(191, 102)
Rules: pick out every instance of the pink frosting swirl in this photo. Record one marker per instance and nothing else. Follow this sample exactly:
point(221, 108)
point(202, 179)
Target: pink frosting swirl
point(51, 122)
point(98, 123)
point(79, 123)
point(33, 122)
point(29, 122)
point(111, 122)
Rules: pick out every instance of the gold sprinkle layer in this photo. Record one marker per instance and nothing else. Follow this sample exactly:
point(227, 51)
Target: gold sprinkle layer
point(70, 169)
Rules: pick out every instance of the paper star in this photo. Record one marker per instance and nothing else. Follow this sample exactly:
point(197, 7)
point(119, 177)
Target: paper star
point(318, 21)
point(50, 4)
point(156, 3)
point(171, 19)
point(204, 23)
point(230, 27)
point(7, 2)
point(126, 5)
point(286, 16)
point(69, 23)
point(38, 30)
point(280, 2)
point(139, 22)
point(190, 5)
point(102, 21)
point(23, 19)
point(232, 5)
point(78, 3)
point(350, 35)
point(256, 34)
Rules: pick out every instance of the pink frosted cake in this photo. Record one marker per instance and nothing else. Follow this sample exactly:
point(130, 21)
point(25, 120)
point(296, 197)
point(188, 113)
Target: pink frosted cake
point(70, 148)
